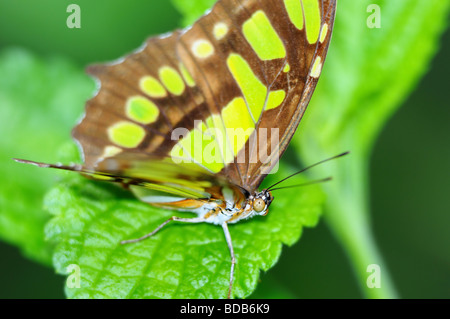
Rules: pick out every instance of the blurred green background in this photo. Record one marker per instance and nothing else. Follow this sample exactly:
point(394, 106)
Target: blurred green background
point(409, 183)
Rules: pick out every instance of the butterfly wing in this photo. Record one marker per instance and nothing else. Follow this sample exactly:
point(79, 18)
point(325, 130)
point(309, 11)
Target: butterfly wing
point(152, 175)
point(187, 180)
point(306, 38)
point(244, 68)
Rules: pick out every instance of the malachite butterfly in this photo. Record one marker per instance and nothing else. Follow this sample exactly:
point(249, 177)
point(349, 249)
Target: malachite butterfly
point(195, 119)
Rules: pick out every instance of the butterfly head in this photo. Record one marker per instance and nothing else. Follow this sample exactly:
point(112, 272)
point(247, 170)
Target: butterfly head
point(261, 202)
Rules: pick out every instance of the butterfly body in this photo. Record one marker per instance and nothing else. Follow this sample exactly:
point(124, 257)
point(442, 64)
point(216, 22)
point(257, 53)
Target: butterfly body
point(195, 119)
point(226, 206)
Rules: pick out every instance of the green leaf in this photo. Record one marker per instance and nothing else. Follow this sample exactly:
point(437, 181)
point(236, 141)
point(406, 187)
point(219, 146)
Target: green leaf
point(192, 10)
point(367, 76)
point(40, 101)
point(180, 261)
point(121, 27)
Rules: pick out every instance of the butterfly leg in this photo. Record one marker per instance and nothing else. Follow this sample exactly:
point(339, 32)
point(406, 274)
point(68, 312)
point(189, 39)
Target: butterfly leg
point(233, 259)
point(178, 219)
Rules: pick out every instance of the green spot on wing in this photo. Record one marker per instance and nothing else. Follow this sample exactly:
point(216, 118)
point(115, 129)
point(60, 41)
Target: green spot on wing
point(195, 145)
point(151, 86)
point(142, 110)
point(252, 88)
point(295, 12)
point(263, 38)
point(275, 99)
point(238, 122)
point(172, 80)
point(254, 91)
point(186, 75)
point(217, 130)
point(126, 134)
point(312, 20)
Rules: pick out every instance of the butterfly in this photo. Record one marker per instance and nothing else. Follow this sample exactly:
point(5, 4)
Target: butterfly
point(195, 119)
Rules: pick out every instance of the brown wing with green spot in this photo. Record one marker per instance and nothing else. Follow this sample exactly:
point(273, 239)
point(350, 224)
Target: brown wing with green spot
point(246, 65)
point(131, 90)
point(306, 41)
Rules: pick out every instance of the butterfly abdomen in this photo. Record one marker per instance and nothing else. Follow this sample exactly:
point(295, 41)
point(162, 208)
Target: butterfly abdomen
point(228, 204)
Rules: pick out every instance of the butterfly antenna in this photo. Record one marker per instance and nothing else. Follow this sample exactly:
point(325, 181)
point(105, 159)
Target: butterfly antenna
point(304, 184)
point(307, 168)
point(73, 167)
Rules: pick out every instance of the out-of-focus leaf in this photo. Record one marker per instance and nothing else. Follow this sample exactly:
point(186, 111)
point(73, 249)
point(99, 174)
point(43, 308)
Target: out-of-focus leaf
point(108, 29)
point(367, 75)
point(192, 10)
point(40, 101)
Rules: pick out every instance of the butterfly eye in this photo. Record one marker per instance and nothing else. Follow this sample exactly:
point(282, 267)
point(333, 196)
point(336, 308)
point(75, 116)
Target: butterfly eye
point(259, 205)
